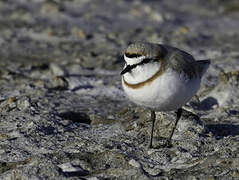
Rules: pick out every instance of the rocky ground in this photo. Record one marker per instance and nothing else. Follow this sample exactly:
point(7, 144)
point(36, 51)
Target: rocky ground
point(63, 114)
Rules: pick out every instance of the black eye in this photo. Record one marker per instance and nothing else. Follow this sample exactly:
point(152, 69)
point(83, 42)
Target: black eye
point(132, 55)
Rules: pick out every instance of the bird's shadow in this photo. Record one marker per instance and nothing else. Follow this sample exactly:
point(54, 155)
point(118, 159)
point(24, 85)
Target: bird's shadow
point(76, 117)
point(220, 131)
point(206, 104)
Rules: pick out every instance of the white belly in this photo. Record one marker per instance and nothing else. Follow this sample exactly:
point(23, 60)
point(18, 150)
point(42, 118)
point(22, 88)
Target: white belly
point(168, 92)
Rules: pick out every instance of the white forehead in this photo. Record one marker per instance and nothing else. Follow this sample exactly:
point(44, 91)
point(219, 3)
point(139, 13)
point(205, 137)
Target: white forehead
point(134, 60)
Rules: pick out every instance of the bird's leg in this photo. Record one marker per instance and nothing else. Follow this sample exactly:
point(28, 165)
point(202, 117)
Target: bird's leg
point(152, 130)
point(179, 113)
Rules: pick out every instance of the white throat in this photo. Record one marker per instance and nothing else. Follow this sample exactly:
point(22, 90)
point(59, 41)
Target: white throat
point(142, 72)
point(132, 61)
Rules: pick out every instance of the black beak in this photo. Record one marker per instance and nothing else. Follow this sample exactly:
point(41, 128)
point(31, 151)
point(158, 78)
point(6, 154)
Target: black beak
point(126, 69)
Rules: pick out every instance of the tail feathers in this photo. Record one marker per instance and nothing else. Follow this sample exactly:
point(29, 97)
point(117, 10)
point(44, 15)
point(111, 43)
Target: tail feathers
point(203, 66)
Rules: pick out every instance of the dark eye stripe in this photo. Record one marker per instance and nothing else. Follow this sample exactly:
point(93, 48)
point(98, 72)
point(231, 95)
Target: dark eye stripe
point(128, 68)
point(146, 60)
point(132, 55)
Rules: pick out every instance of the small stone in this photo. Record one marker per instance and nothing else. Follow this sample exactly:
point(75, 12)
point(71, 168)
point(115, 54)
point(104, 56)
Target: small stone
point(209, 178)
point(67, 167)
point(2, 151)
point(39, 83)
point(49, 9)
point(182, 30)
point(110, 117)
point(70, 169)
point(57, 70)
point(9, 104)
point(134, 163)
point(23, 103)
point(14, 135)
point(92, 178)
point(191, 177)
point(3, 136)
point(235, 173)
point(11, 100)
point(60, 82)
point(79, 33)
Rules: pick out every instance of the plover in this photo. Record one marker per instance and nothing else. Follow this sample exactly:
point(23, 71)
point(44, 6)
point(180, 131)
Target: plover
point(161, 78)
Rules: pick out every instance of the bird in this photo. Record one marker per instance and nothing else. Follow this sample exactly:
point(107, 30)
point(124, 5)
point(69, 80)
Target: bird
point(161, 78)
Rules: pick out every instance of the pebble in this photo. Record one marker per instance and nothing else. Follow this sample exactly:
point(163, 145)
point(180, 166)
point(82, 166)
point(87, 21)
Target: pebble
point(134, 163)
point(60, 82)
point(23, 103)
point(57, 70)
point(72, 169)
point(92, 178)
point(67, 167)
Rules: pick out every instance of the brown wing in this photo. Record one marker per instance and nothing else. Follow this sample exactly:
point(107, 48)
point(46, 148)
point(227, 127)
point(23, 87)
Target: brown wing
point(181, 61)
